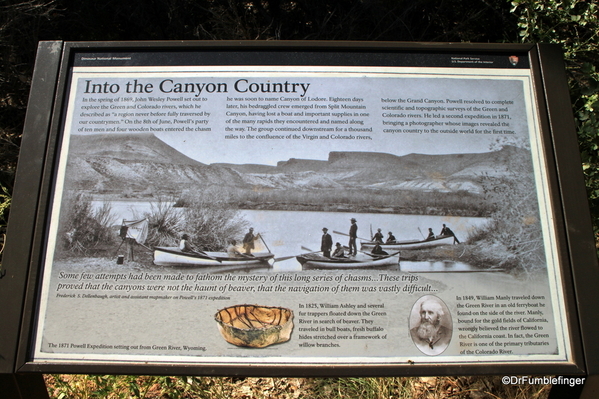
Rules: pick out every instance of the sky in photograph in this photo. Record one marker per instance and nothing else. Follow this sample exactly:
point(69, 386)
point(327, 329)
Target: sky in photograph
point(385, 99)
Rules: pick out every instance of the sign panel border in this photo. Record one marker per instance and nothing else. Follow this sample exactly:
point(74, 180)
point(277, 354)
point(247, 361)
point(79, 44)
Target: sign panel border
point(575, 247)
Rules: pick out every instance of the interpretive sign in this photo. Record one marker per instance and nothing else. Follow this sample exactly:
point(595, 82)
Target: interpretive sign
point(389, 207)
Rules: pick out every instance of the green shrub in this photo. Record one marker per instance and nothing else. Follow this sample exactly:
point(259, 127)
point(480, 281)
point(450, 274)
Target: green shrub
point(573, 24)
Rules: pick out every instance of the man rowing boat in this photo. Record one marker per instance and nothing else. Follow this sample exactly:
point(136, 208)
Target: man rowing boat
point(378, 250)
point(446, 231)
point(232, 250)
point(391, 239)
point(248, 241)
point(184, 244)
point(338, 251)
point(431, 235)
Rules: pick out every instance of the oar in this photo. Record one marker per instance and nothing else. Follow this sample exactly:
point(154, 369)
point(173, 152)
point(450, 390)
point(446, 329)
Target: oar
point(148, 248)
point(293, 256)
point(421, 233)
point(345, 234)
point(383, 256)
point(284, 258)
point(347, 248)
point(202, 253)
point(246, 255)
point(260, 235)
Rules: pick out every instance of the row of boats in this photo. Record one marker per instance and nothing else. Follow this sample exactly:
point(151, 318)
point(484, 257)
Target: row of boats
point(173, 256)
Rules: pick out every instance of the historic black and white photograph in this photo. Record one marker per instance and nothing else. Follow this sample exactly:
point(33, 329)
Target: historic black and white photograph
point(430, 325)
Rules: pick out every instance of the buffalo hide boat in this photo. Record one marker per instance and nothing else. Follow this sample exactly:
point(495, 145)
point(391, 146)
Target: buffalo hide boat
point(173, 256)
point(413, 244)
point(360, 261)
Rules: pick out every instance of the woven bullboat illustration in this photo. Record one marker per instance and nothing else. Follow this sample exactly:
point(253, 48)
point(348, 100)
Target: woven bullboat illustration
point(255, 326)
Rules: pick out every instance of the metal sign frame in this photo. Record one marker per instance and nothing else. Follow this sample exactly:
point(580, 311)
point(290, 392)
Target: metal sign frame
point(20, 289)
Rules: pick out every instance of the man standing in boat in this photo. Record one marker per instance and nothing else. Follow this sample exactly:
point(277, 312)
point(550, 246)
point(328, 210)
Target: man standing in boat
point(326, 243)
point(353, 234)
point(446, 231)
point(248, 241)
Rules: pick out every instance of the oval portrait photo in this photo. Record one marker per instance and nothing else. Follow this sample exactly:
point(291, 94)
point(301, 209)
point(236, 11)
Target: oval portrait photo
point(430, 325)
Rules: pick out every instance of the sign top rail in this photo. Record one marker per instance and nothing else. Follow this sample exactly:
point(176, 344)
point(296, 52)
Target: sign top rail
point(517, 59)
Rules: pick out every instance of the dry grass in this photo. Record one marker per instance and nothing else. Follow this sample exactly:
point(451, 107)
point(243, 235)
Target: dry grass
point(153, 387)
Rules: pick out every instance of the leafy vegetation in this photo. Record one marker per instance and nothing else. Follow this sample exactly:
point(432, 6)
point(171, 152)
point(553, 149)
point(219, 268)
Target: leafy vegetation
point(212, 223)
point(165, 223)
point(205, 216)
point(83, 228)
point(572, 24)
point(514, 224)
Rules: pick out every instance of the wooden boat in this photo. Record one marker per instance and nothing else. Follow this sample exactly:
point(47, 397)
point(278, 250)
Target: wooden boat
point(173, 256)
point(411, 244)
point(359, 261)
point(255, 326)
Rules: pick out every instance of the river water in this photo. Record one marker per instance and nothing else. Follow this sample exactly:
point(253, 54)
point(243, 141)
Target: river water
point(286, 232)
